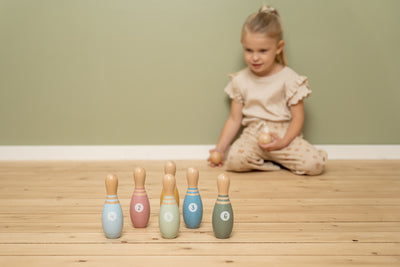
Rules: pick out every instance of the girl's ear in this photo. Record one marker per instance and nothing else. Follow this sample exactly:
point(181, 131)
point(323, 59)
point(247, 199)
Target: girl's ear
point(280, 46)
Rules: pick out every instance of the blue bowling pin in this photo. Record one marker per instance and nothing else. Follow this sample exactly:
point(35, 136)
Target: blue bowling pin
point(192, 204)
point(112, 217)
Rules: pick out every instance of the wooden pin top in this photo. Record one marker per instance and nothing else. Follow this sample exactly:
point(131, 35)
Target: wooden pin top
point(111, 184)
point(192, 176)
point(170, 167)
point(223, 184)
point(139, 176)
point(169, 185)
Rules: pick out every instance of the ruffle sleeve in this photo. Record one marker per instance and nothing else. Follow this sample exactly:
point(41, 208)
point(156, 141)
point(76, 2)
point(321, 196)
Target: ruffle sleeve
point(233, 91)
point(297, 90)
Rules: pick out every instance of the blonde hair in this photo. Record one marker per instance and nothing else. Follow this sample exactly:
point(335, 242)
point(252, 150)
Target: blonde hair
point(266, 21)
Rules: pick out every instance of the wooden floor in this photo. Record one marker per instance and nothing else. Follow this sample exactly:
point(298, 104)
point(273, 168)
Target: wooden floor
point(51, 216)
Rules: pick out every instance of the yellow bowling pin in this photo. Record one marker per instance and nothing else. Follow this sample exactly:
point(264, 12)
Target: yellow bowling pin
point(170, 168)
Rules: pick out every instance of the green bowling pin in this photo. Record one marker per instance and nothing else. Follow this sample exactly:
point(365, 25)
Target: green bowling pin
point(222, 219)
point(169, 217)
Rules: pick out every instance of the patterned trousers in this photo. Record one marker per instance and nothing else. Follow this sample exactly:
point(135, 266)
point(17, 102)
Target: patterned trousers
point(299, 156)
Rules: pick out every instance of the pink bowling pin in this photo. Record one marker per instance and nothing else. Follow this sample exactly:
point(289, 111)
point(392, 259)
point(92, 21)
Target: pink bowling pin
point(140, 206)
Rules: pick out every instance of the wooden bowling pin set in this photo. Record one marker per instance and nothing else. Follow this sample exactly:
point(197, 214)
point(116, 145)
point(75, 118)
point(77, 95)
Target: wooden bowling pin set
point(169, 215)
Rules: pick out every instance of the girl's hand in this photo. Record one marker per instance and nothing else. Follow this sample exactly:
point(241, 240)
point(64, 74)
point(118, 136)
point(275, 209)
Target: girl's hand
point(222, 158)
point(276, 144)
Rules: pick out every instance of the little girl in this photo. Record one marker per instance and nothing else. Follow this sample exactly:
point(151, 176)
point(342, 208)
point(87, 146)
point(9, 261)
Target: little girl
point(267, 94)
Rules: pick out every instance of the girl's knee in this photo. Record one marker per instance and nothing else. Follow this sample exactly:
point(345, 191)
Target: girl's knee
point(237, 163)
point(315, 166)
point(238, 160)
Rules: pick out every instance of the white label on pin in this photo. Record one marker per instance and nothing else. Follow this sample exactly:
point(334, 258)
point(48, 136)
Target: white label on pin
point(225, 216)
point(139, 207)
point(168, 216)
point(112, 216)
point(192, 207)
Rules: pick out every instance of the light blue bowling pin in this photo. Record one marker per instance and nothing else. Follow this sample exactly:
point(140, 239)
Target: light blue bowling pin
point(192, 205)
point(112, 217)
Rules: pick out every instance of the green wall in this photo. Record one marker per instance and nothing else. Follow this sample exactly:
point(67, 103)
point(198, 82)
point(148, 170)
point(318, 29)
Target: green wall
point(139, 72)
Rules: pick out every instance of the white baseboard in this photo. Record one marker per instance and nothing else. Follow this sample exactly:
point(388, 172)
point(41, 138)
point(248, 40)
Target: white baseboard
point(163, 152)
point(172, 152)
point(361, 151)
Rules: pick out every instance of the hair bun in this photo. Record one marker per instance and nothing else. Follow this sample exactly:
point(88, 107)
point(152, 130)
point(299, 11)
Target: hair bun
point(267, 9)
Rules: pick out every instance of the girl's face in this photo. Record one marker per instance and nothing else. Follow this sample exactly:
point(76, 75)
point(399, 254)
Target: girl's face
point(260, 52)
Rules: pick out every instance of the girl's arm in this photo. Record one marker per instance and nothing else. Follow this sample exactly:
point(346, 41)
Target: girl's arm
point(231, 127)
point(294, 129)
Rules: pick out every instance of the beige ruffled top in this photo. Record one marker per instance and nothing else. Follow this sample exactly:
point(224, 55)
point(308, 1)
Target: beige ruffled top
point(267, 98)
